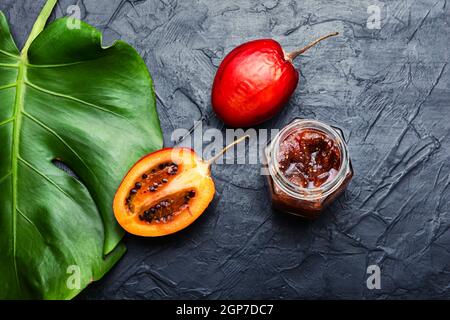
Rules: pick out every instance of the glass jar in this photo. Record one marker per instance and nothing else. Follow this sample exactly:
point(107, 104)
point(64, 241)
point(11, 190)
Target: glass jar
point(309, 201)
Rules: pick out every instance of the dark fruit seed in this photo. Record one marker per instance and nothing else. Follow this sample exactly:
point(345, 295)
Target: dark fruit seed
point(133, 191)
point(152, 189)
point(172, 170)
point(153, 170)
point(156, 185)
point(158, 206)
point(152, 210)
point(144, 176)
point(138, 185)
point(161, 166)
point(141, 218)
point(165, 180)
point(192, 193)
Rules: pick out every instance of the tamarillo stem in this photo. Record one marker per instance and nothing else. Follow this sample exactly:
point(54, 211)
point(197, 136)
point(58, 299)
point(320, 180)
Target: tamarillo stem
point(294, 54)
point(217, 156)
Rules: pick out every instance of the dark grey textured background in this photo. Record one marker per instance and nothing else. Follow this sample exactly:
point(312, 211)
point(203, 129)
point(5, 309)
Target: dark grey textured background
point(388, 89)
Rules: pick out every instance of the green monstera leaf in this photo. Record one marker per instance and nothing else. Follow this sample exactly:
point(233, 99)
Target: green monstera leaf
point(66, 98)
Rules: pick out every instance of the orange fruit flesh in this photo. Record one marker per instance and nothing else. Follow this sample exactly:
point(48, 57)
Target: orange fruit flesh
point(163, 193)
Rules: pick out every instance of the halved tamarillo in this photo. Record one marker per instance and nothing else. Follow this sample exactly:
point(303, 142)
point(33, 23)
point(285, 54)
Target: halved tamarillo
point(165, 192)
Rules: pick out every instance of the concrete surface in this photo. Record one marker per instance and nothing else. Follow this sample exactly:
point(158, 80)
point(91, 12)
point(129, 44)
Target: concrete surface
point(388, 89)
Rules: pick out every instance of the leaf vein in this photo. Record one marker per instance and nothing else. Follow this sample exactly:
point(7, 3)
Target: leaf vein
point(59, 65)
point(6, 121)
point(29, 165)
point(53, 132)
point(8, 65)
point(31, 222)
point(9, 54)
point(7, 86)
point(5, 176)
point(65, 96)
point(18, 106)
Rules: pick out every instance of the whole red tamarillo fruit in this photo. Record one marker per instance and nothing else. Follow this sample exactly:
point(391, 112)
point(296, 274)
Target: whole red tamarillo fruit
point(254, 81)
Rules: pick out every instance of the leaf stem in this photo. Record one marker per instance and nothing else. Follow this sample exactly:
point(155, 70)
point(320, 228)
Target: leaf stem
point(39, 25)
point(17, 118)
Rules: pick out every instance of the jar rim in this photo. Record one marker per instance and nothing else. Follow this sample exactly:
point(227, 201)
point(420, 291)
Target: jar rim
point(295, 190)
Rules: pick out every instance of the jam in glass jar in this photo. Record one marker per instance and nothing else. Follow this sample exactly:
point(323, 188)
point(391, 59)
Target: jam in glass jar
point(309, 166)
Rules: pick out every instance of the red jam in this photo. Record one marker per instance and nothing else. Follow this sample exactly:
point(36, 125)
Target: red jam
point(309, 158)
point(309, 167)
